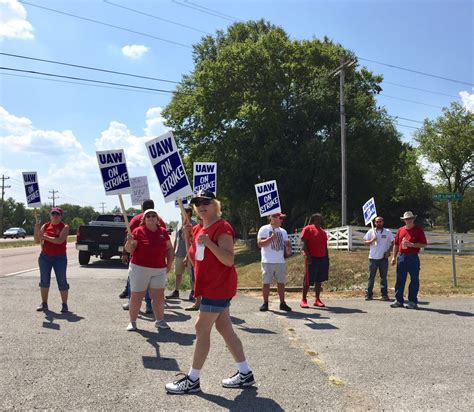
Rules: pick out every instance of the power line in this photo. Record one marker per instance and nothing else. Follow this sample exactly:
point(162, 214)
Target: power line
point(212, 10)
point(410, 101)
point(404, 118)
point(81, 84)
point(417, 72)
point(422, 90)
point(105, 24)
point(87, 80)
point(154, 17)
point(202, 11)
point(19, 56)
point(405, 125)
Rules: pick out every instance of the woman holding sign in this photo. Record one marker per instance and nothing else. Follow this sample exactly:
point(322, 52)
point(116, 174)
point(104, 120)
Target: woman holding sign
point(53, 239)
point(152, 257)
point(212, 251)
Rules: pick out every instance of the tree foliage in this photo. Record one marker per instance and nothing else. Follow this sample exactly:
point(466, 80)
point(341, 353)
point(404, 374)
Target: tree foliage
point(448, 141)
point(266, 107)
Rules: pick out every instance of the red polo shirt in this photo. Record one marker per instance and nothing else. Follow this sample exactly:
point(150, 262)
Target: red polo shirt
point(151, 247)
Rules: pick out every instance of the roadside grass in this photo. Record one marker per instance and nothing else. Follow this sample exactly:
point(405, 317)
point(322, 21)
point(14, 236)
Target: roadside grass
point(26, 242)
point(348, 273)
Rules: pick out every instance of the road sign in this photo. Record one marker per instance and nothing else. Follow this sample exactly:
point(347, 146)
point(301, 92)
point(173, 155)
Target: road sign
point(447, 196)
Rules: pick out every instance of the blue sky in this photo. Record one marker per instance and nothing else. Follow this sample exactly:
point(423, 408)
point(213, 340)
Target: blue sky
point(55, 128)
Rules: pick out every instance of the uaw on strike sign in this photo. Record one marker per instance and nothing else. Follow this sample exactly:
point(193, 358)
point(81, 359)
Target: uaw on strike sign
point(267, 197)
point(168, 167)
point(113, 169)
point(30, 179)
point(205, 176)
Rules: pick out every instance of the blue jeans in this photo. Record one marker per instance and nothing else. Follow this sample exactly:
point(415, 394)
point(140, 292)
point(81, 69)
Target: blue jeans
point(59, 264)
point(407, 264)
point(382, 266)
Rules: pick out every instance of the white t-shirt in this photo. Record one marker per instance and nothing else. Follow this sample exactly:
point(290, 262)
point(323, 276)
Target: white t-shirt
point(274, 252)
point(384, 240)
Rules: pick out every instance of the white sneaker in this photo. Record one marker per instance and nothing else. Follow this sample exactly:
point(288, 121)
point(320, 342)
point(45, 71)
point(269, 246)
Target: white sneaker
point(239, 380)
point(132, 326)
point(161, 324)
point(126, 306)
point(184, 385)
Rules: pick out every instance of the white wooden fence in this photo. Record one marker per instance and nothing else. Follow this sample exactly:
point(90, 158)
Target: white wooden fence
point(350, 238)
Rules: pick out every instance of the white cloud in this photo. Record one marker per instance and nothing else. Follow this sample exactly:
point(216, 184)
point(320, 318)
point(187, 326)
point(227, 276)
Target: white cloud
point(17, 134)
point(13, 22)
point(154, 122)
point(135, 51)
point(467, 100)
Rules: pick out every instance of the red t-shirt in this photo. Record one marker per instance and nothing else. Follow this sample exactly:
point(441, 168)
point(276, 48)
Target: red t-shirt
point(316, 240)
point(53, 249)
point(135, 222)
point(151, 247)
point(213, 279)
point(413, 235)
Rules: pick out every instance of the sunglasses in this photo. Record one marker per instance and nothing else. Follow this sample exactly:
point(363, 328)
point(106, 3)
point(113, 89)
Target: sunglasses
point(203, 202)
point(151, 215)
point(55, 214)
point(379, 221)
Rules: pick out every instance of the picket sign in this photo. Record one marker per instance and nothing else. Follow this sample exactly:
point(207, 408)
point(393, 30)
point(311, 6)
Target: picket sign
point(184, 200)
point(169, 168)
point(370, 213)
point(140, 191)
point(113, 169)
point(205, 176)
point(33, 197)
point(267, 198)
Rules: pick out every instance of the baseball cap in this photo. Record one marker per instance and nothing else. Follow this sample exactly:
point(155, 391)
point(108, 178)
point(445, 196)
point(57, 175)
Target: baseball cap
point(57, 210)
point(278, 215)
point(203, 194)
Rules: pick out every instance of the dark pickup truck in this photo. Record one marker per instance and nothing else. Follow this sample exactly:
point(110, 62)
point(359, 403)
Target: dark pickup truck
point(103, 238)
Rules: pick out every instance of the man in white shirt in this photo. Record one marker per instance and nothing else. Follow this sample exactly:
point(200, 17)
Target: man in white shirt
point(273, 241)
point(380, 241)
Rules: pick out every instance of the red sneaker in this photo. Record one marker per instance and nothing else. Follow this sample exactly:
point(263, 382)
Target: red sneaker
point(319, 304)
point(304, 304)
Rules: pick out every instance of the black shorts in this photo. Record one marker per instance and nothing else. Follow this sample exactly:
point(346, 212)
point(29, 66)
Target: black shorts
point(317, 271)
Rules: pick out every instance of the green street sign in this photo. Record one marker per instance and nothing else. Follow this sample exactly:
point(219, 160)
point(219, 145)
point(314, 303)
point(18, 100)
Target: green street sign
point(447, 196)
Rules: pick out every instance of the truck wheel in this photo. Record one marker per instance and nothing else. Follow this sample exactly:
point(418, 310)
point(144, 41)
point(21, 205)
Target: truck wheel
point(84, 257)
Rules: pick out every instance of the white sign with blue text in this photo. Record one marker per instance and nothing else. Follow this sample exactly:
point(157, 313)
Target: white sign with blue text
point(205, 176)
point(185, 201)
point(267, 197)
point(140, 191)
point(169, 168)
point(369, 211)
point(113, 169)
point(33, 198)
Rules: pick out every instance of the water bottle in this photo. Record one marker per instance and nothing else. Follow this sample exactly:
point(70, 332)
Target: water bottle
point(199, 255)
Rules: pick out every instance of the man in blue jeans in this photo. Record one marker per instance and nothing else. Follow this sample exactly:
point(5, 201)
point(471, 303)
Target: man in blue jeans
point(380, 241)
point(408, 242)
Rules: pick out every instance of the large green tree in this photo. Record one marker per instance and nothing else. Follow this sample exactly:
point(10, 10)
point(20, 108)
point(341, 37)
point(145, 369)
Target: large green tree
point(265, 107)
point(448, 141)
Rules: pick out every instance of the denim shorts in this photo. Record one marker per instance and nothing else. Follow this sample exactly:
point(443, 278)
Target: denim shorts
point(214, 305)
point(59, 264)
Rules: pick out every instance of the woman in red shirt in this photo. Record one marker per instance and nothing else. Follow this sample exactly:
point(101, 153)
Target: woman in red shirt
point(212, 252)
point(152, 258)
point(53, 238)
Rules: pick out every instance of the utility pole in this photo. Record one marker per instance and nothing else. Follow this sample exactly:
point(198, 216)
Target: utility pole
point(341, 72)
point(102, 205)
point(54, 197)
point(3, 198)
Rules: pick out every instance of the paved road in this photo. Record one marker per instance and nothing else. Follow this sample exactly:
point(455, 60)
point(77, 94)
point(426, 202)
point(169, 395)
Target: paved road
point(352, 355)
point(21, 259)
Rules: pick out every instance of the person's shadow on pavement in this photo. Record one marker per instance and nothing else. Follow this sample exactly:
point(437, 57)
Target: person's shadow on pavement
point(239, 323)
point(155, 338)
point(447, 312)
point(246, 400)
point(51, 316)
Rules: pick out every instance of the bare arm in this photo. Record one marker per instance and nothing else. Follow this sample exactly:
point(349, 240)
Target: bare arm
point(169, 255)
point(223, 249)
point(38, 233)
point(395, 254)
point(262, 242)
point(57, 240)
point(130, 244)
